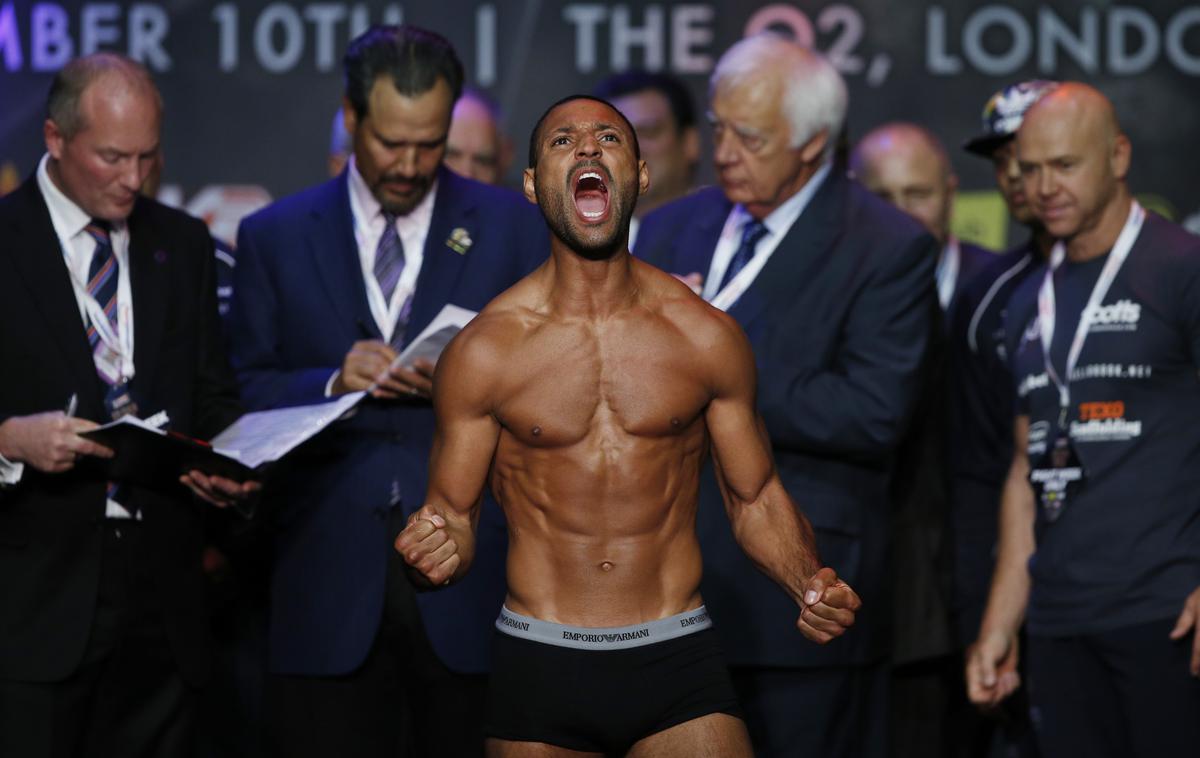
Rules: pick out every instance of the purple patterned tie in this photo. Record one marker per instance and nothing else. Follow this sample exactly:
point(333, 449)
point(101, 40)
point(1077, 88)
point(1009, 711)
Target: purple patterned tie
point(389, 258)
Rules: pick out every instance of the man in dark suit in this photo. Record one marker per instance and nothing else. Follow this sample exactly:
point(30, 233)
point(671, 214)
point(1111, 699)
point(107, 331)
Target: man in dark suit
point(835, 291)
point(907, 165)
point(102, 625)
point(330, 285)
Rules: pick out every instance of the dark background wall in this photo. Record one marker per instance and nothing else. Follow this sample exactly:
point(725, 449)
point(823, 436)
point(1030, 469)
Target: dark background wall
point(251, 87)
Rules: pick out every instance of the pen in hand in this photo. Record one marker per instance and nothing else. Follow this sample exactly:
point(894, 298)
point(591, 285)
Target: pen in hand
point(72, 405)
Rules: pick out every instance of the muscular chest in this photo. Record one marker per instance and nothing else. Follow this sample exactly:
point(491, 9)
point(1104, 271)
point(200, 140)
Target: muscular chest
point(572, 383)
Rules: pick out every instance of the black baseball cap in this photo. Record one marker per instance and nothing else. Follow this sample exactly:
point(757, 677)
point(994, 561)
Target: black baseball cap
point(1003, 113)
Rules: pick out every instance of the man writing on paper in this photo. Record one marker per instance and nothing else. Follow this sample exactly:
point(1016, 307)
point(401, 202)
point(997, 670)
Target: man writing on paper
point(1100, 516)
point(331, 284)
point(589, 394)
point(102, 623)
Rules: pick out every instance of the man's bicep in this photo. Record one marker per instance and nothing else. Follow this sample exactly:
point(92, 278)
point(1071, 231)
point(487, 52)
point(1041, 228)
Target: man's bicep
point(740, 446)
point(467, 431)
point(462, 454)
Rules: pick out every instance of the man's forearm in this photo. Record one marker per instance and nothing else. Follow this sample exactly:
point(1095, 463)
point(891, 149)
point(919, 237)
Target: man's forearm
point(777, 538)
point(1009, 593)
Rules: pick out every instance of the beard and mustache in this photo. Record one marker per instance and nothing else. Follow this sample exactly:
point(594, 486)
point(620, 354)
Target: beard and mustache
point(592, 242)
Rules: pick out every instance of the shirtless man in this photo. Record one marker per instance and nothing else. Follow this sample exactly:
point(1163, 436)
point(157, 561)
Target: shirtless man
point(588, 395)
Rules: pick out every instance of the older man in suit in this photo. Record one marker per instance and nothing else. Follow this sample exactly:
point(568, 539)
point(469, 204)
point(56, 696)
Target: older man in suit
point(835, 291)
point(102, 626)
point(331, 284)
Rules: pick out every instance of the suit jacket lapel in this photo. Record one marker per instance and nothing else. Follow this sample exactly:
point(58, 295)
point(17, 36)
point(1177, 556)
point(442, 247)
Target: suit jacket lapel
point(39, 261)
point(695, 248)
point(453, 208)
point(802, 249)
point(149, 284)
point(331, 242)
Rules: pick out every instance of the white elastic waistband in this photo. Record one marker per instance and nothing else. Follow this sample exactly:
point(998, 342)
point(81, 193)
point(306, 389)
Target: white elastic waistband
point(606, 637)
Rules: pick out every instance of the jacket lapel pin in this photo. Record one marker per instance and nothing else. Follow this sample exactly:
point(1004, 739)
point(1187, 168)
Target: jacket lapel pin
point(459, 241)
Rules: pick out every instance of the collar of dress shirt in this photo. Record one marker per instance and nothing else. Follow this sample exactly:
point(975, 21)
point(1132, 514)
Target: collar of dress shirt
point(946, 273)
point(368, 213)
point(778, 223)
point(66, 216)
point(780, 220)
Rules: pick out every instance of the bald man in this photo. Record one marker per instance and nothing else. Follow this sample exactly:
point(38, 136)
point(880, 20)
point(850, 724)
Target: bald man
point(907, 166)
point(475, 146)
point(1100, 518)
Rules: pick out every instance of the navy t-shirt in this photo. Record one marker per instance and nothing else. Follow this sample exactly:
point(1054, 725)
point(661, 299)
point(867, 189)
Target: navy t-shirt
point(979, 399)
point(1126, 547)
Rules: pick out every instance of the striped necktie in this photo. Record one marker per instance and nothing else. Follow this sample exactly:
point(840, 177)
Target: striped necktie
point(389, 258)
point(752, 232)
point(102, 285)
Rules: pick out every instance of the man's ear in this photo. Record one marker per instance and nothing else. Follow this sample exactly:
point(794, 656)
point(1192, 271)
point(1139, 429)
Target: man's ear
point(812, 150)
point(691, 145)
point(55, 141)
point(349, 117)
point(530, 189)
point(643, 177)
point(1122, 155)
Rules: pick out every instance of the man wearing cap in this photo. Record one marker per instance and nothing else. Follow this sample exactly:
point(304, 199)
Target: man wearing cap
point(980, 384)
point(1099, 548)
point(979, 401)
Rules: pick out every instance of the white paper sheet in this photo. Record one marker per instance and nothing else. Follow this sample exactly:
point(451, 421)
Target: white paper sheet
point(265, 436)
point(433, 339)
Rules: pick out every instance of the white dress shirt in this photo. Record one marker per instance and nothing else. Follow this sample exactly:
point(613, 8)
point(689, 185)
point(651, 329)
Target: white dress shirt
point(778, 223)
point(948, 265)
point(413, 228)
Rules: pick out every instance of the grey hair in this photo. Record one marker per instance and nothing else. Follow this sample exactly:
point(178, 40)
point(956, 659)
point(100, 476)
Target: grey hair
point(814, 96)
point(62, 104)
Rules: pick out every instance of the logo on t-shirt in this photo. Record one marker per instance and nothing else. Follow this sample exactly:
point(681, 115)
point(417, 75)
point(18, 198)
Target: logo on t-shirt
point(1104, 421)
point(1033, 382)
point(1121, 316)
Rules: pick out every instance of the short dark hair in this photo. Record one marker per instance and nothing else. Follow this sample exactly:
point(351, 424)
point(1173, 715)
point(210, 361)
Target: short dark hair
point(66, 90)
point(414, 59)
point(635, 80)
point(535, 136)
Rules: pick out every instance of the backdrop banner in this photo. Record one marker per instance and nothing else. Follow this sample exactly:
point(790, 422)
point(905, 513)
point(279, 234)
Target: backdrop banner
point(251, 87)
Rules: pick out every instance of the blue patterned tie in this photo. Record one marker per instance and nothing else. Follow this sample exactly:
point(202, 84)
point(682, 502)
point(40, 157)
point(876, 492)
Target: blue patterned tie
point(102, 285)
point(752, 232)
point(389, 258)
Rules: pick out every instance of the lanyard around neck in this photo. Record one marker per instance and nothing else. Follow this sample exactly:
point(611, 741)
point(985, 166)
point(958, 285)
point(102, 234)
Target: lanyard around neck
point(1047, 315)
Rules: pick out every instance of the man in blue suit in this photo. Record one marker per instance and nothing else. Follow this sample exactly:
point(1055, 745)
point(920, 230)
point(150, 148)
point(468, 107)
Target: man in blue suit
point(331, 284)
point(835, 290)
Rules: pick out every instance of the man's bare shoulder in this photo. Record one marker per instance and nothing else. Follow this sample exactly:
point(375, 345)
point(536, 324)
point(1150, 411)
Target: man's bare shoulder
point(499, 328)
point(706, 328)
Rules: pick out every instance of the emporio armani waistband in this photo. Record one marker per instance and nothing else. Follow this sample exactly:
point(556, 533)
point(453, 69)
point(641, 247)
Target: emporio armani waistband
point(603, 638)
